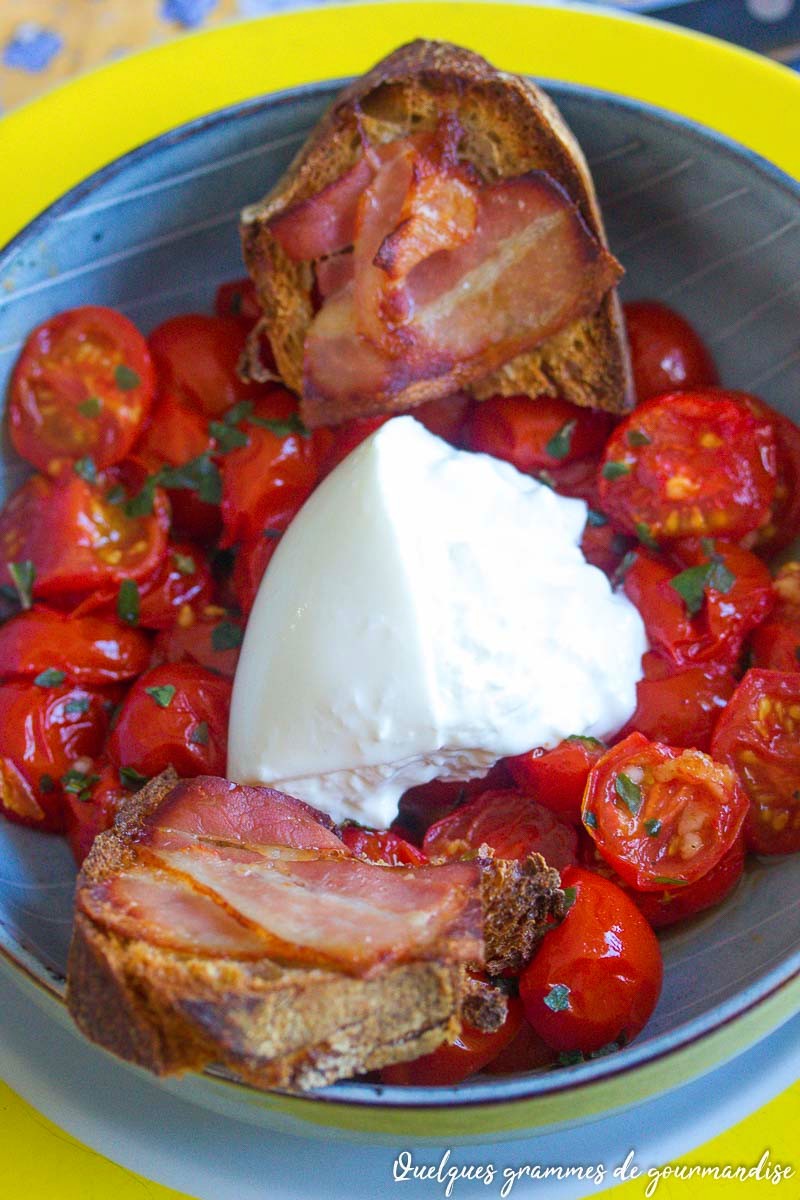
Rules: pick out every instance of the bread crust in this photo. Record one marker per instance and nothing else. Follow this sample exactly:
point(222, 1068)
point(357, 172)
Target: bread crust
point(510, 127)
point(275, 1026)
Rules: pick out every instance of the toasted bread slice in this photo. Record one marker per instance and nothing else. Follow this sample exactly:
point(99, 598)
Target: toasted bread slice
point(272, 1024)
point(510, 127)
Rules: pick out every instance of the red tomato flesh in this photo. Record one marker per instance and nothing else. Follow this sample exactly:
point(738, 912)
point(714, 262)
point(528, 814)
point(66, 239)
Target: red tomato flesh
point(557, 777)
point(666, 352)
point(196, 357)
point(535, 434)
point(680, 705)
point(381, 846)
point(776, 643)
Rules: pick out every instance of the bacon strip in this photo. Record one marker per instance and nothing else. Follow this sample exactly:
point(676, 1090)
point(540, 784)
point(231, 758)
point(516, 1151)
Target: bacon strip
point(324, 224)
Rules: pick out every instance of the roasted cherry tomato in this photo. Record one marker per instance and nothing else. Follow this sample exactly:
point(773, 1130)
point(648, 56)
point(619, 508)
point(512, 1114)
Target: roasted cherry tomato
point(680, 705)
point(88, 650)
point(557, 777)
point(238, 299)
point(446, 417)
point(453, 1061)
point(174, 715)
point(81, 389)
point(176, 434)
point(265, 481)
point(666, 353)
point(196, 357)
point(672, 904)
point(179, 591)
point(75, 539)
point(690, 464)
point(49, 733)
point(345, 439)
point(596, 977)
point(783, 525)
point(212, 640)
point(526, 1052)
point(603, 547)
point(93, 810)
point(662, 816)
point(700, 605)
point(536, 434)
point(512, 823)
point(381, 846)
point(252, 559)
point(759, 736)
point(426, 803)
point(776, 642)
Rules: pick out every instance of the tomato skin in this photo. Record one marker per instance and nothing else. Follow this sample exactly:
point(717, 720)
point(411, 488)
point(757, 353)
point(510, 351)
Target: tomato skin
point(757, 737)
point(558, 777)
point(237, 298)
point(44, 731)
point(776, 642)
point(513, 824)
point(603, 547)
point(519, 430)
point(381, 846)
point(605, 952)
point(252, 559)
point(526, 1052)
point(196, 357)
point(690, 464)
point(717, 632)
point(182, 581)
point(149, 737)
point(426, 803)
point(446, 417)
point(194, 643)
point(68, 363)
point(89, 650)
point(784, 523)
point(454, 1061)
point(85, 818)
point(76, 540)
point(666, 352)
point(697, 805)
point(680, 705)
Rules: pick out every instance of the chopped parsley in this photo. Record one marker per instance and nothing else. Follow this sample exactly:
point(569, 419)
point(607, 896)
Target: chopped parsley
point(77, 706)
point(282, 429)
point(590, 743)
point(199, 735)
point(131, 778)
point(199, 475)
point(49, 678)
point(85, 467)
point(652, 827)
point(226, 636)
point(91, 407)
point(645, 536)
point(184, 563)
point(23, 575)
point(163, 694)
point(227, 437)
point(128, 602)
point(669, 881)
point(615, 470)
point(637, 437)
point(629, 793)
point(557, 999)
point(561, 441)
point(570, 896)
point(78, 783)
point(590, 820)
point(625, 565)
point(693, 583)
point(126, 378)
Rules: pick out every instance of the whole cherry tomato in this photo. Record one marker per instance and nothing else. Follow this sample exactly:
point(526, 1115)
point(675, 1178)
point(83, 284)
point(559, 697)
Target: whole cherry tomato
point(75, 540)
point(662, 816)
point(93, 810)
point(783, 525)
point(757, 735)
point(666, 353)
point(426, 803)
point(446, 417)
point(238, 299)
point(196, 357)
point(183, 581)
point(252, 559)
point(50, 732)
point(81, 389)
point(603, 547)
point(212, 640)
point(88, 650)
point(454, 1061)
point(345, 439)
point(557, 777)
point(776, 642)
point(381, 846)
point(680, 705)
point(596, 977)
point(508, 821)
point(536, 434)
point(689, 464)
point(174, 715)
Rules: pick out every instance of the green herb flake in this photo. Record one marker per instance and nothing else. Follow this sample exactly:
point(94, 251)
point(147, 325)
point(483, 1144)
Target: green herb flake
point(199, 475)
point(570, 896)
point(91, 407)
point(49, 678)
point(645, 536)
point(227, 437)
point(78, 783)
point(131, 779)
point(637, 437)
point(184, 563)
point(46, 783)
point(116, 494)
point(141, 505)
point(590, 743)
point(590, 820)
point(609, 1048)
point(615, 470)
point(652, 827)
point(561, 442)
point(163, 694)
point(126, 378)
point(199, 735)
point(625, 565)
point(77, 706)
point(669, 881)
point(238, 412)
point(719, 577)
point(23, 575)
point(282, 429)
point(85, 467)
point(629, 793)
point(593, 517)
point(570, 1058)
point(557, 999)
point(128, 602)
point(226, 636)
point(691, 584)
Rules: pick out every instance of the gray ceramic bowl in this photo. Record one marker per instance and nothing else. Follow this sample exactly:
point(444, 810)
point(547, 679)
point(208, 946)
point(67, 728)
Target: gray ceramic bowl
point(698, 222)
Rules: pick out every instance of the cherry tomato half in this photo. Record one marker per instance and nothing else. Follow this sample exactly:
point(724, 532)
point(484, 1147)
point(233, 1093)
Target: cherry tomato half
point(93, 811)
point(758, 735)
point(558, 777)
point(175, 715)
point(252, 560)
point(381, 846)
point(783, 525)
point(88, 650)
point(666, 353)
point(689, 464)
point(662, 816)
point(596, 977)
point(680, 705)
point(212, 640)
point(426, 803)
point(81, 389)
point(196, 357)
point(76, 539)
point(453, 1061)
point(238, 299)
point(535, 434)
point(776, 642)
point(513, 824)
